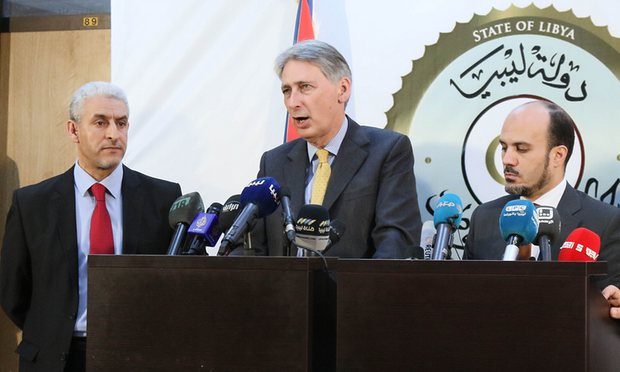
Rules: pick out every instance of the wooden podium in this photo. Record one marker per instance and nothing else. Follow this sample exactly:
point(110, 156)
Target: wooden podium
point(474, 316)
point(159, 313)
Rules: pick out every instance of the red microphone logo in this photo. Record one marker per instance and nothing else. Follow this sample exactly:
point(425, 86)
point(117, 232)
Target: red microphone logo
point(581, 245)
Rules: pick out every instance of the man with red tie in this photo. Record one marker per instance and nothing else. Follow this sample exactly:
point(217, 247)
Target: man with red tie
point(98, 206)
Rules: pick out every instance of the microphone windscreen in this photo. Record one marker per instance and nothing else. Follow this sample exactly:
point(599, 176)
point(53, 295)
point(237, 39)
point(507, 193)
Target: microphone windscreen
point(449, 209)
point(215, 208)
point(313, 227)
point(184, 209)
point(549, 224)
point(230, 211)
point(519, 218)
point(263, 192)
point(313, 220)
point(581, 245)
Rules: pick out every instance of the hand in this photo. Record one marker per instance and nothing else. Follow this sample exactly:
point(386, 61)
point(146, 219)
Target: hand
point(612, 295)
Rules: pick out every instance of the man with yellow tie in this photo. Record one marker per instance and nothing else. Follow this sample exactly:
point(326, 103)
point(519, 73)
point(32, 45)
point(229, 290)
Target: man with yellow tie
point(362, 175)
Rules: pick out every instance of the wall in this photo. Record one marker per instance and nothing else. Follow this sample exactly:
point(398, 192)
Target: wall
point(38, 72)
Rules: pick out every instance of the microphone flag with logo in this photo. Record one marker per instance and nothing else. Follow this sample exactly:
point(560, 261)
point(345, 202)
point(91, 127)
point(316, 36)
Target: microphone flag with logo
point(181, 214)
point(549, 227)
point(518, 225)
point(581, 245)
point(312, 228)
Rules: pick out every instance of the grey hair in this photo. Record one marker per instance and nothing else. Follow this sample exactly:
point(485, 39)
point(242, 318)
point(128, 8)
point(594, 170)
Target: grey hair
point(331, 63)
point(94, 89)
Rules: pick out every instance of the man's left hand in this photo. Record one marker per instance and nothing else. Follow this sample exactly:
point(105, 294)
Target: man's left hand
point(612, 295)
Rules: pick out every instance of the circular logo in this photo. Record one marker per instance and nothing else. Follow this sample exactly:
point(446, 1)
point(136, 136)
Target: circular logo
point(455, 99)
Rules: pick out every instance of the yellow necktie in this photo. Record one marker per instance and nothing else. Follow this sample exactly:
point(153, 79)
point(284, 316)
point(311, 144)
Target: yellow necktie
point(321, 177)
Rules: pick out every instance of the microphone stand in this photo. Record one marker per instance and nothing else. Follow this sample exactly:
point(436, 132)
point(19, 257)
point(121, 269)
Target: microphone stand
point(247, 244)
point(303, 251)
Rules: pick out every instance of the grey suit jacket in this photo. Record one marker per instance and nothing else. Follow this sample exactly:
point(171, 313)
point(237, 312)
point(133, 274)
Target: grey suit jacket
point(576, 209)
point(371, 189)
point(38, 269)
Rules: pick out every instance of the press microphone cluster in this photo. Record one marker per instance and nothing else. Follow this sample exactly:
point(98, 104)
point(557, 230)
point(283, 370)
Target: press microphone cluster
point(522, 223)
point(446, 218)
point(181, 214)
point(518, 225)
point(259, 199)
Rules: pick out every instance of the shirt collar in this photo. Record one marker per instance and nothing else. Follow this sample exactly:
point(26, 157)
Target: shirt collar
point(83, 180)
point(334, 145)
point(552, 197)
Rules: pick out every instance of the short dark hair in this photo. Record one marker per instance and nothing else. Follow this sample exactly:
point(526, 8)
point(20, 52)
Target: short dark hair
point(561, 128)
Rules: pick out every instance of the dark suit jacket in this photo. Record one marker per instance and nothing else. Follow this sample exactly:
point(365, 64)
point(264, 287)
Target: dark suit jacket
point(576, 209)
point(371, 189)
point(38, 270)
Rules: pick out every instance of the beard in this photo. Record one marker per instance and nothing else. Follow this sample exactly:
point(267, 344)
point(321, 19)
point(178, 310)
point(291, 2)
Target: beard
point(525, 190)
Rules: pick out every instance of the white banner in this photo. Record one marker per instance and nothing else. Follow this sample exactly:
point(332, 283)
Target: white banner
point(205, 102)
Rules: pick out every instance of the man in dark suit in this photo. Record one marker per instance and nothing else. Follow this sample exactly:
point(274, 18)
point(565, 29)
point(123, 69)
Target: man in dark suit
point(362, 175)
point(98, 206)
point(537, 140)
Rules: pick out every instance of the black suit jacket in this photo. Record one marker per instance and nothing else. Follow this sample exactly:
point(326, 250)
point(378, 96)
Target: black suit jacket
point(38, 269)
point(576, 209)
point(371, 189)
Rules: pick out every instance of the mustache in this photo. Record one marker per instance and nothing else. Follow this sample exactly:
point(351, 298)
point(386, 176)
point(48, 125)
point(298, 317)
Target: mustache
point(512, 170)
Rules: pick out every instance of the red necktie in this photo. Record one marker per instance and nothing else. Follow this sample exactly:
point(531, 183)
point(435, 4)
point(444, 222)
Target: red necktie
point(101, 241)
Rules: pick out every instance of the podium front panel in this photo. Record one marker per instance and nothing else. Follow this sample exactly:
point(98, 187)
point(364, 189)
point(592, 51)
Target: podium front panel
point(159, 313)
point(469, 316)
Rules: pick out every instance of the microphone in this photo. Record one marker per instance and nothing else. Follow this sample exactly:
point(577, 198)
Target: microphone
point(180, 216)
point(426, 239)
point(205, 230)
point(258, 199)
point(230, 212)
point(287, 215)
point(447, 218)
point(581, 245)
point(549, 227)
point(312, 228)
point(518, 224)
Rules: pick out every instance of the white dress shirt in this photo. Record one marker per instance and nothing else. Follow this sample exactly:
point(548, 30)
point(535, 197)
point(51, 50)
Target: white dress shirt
point(84, 206)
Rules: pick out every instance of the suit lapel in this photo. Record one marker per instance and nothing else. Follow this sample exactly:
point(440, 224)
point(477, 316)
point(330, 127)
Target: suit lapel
point(569, 206)
point(351, 156)
point(132, 206)
point(63, 208)
point(295, 174)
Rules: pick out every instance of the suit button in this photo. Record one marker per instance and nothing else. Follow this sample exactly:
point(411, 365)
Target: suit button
point(72, 317)
point(63, 357)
